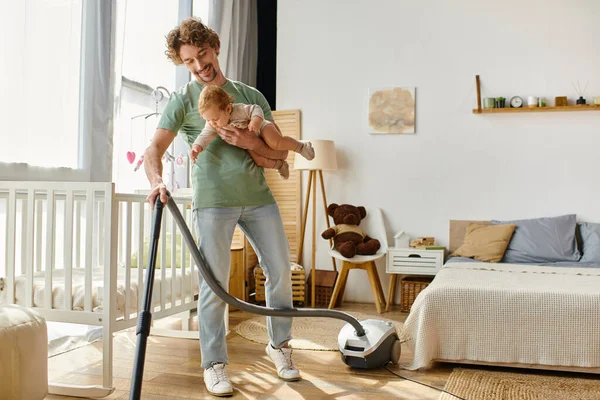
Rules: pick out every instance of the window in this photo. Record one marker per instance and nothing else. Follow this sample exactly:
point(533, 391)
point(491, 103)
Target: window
point(146, 25)
point(201, 10)
point(144, 68)
point(40, 47)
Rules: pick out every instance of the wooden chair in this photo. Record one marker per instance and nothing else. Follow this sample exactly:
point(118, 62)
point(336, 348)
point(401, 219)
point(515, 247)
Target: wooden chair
point(374, 226)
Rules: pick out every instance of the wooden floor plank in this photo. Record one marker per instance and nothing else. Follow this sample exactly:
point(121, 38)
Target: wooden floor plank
point(173, 370)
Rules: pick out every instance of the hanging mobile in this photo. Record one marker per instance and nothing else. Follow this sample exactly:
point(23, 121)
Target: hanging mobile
point(157, 96)
point(131, 153)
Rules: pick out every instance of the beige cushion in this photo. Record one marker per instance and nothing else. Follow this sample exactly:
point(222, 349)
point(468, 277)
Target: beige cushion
point(23, 354)
point(485, 242)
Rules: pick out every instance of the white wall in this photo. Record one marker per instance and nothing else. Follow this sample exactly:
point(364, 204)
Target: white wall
point(458, 165)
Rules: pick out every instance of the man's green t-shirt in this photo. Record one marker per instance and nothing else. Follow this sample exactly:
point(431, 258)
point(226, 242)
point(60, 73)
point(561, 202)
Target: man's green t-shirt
point(223, 175)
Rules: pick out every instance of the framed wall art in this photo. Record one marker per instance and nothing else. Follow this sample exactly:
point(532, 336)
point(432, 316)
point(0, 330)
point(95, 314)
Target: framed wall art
point(391, 110)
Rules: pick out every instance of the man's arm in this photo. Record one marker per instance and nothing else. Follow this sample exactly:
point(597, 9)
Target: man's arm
point(245, 139)
point(153, 164)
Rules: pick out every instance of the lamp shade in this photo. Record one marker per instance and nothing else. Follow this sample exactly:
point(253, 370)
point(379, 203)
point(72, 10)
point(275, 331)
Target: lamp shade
point(324, 157)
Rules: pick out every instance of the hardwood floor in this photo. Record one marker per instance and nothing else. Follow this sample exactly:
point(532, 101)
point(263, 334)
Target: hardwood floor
point(173, 371)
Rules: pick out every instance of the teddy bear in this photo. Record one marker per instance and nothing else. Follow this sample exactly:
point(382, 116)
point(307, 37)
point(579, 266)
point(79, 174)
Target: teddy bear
point(348, 238)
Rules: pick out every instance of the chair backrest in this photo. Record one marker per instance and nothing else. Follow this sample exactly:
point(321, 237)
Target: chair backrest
point(374, 226)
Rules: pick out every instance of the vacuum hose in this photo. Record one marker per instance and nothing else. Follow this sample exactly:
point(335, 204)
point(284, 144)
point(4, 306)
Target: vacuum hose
point(242, 305)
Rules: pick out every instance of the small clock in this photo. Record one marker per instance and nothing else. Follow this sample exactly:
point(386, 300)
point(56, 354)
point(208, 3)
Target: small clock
point(516, 102)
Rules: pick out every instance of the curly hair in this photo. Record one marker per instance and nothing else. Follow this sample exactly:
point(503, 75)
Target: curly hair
point(190, 31)
point(213, 95)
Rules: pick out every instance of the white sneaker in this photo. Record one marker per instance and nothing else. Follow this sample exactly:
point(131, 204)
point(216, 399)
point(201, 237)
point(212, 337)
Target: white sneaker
point(216, 380)
point(283, 362)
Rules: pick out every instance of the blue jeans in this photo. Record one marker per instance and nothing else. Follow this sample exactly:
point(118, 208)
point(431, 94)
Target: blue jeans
point(264, 228)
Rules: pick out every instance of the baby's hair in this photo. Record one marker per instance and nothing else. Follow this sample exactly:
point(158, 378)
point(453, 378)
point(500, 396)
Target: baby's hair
point(213, 95)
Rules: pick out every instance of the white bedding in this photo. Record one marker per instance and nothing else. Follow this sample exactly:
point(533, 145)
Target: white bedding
point(58, 292)
point(507, 313)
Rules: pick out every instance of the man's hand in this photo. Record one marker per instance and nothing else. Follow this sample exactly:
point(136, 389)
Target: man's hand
point(158, 188)
point(241, 138)
point(245, 139)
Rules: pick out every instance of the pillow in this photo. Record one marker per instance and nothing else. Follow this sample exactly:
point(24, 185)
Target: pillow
point(590, 237)
point(536, 240)
point(485, 242)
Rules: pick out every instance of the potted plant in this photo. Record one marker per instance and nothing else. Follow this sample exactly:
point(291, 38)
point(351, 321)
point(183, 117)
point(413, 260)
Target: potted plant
point(500, 101)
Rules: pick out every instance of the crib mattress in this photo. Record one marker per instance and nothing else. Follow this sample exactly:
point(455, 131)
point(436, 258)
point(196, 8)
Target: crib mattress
point(190, 283)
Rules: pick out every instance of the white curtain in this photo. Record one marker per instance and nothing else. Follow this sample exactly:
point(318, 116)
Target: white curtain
point(235, 21)
point(39, 89)
point(97, 89)
point(57, 105)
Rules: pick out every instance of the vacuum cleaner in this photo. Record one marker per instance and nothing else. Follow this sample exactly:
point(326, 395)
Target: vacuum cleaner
point(368, 344)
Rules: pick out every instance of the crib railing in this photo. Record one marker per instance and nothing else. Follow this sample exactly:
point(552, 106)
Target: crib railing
point(51, 226)
point(135, 216)
point(50, 231)
point(74, 235)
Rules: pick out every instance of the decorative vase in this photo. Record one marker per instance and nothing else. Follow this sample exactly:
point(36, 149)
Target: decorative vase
point(532, 101)
point(580, 100)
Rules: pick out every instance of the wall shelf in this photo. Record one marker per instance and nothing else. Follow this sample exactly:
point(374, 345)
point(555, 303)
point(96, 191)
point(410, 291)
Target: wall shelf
point(584, 107)
point(525, 109)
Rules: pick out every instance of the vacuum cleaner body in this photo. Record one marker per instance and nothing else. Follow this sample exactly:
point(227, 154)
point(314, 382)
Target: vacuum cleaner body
point(378, 346)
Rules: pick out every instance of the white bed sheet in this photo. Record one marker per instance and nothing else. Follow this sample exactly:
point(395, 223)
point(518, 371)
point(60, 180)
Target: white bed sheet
point(507, 313)
point(78, 292)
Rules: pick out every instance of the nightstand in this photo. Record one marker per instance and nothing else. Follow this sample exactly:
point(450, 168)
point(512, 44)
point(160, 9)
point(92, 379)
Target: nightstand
point(410, 261)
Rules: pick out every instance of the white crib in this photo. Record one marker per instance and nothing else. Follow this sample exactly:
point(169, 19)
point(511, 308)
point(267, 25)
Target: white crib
point(66, 249)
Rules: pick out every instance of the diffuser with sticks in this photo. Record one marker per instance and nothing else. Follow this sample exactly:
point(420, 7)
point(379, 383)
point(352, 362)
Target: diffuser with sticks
point(580, 100)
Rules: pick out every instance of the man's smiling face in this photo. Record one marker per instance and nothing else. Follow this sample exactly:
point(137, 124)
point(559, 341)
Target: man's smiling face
point(202, 62)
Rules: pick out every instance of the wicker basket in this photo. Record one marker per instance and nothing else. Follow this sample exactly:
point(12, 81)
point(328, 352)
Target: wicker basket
point(410, 288)
point(324, 285)
point(298, 285)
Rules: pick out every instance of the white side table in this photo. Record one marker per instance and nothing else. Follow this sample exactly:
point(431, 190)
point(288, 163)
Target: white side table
point(410, 261)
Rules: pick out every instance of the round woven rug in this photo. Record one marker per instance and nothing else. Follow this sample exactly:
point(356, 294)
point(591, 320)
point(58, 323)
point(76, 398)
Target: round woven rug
point(498, 385)
point(309, 333)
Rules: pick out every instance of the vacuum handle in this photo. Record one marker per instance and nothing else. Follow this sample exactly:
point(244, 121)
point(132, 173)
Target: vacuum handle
point(152, 257)
point(145, 316)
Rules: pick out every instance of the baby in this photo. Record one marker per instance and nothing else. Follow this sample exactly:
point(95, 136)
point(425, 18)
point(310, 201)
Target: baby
point(218, 109)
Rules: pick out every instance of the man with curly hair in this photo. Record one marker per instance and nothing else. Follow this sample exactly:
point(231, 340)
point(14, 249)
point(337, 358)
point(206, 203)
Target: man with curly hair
point(229, 190)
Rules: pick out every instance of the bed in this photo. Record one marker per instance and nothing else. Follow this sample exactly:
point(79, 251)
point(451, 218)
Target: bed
point(542, 315)
point(69, 250)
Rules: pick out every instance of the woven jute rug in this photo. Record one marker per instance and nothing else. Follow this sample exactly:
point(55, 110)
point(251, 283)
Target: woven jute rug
point(308, 333)
point(473, 384)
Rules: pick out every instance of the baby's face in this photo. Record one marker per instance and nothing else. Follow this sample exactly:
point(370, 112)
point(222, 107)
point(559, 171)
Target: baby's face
point(216, 117)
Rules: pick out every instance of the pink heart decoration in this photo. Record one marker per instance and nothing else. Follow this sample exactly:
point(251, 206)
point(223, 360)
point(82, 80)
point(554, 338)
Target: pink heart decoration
point(130, 157)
